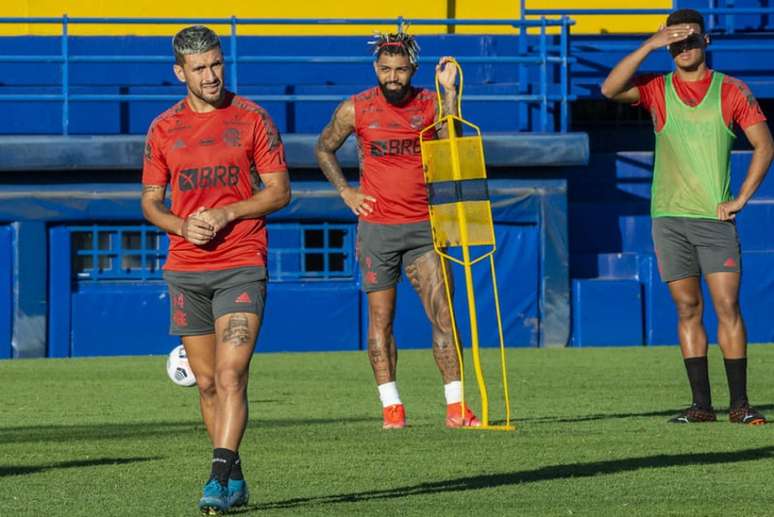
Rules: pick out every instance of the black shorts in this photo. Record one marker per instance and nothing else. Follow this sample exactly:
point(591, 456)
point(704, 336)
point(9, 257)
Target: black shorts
point(198, 298)
point(383, 248)
point(687, 247)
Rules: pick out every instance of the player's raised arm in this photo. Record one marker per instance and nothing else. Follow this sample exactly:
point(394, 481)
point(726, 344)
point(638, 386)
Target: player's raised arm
point(618, 85)
point(446, 73)
point(333, 136)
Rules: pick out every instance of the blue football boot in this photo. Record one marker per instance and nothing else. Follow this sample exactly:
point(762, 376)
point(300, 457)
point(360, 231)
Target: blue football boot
point(238, 494)
point(214, 499)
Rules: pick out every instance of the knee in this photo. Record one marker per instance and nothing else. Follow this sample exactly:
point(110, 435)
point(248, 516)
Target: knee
point(230, 380)
point(380, 319)
point(727, 309)
point(689, 308)
point(440, 317)
point(206, 385)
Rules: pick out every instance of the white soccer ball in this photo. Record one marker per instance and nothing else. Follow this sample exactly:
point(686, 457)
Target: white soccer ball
point(178, 368)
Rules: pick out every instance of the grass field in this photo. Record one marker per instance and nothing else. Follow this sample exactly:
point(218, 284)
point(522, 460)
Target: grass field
point(115, 437)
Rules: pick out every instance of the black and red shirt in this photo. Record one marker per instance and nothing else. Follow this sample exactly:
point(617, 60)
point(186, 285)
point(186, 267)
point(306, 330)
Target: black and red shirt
point(209, 160)
point(390, 155)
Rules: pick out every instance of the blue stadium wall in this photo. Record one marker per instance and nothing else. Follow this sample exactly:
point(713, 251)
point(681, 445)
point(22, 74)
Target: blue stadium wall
point(576, 258)
point(69, 296)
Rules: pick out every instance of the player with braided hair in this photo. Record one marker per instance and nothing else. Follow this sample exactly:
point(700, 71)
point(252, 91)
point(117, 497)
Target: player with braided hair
point(392, 207)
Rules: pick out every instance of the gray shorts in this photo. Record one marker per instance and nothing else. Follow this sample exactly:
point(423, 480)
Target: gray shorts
point(687, 247)
point(383, 248)
point(198, 298)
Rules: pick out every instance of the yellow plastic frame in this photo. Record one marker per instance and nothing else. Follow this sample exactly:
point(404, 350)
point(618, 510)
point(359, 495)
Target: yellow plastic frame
point(457, 167)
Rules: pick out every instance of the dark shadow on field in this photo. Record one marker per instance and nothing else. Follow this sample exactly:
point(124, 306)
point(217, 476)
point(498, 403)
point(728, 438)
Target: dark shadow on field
point(613, 416)
point(547, 473)
point(66, 433)
point(20, 470)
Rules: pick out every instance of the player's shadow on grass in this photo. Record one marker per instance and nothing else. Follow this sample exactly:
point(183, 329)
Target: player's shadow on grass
point(69, 433)
point(547, 473)
point(613, 416)
point(20, 470)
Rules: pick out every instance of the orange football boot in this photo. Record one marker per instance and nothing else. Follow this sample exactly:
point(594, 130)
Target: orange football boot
point(394, 417)
point(454, 418)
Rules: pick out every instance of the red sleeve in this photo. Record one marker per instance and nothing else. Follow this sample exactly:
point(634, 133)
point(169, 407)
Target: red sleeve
point(652, 89)
point(739, 105)
point(268, 151)
point(154, 170)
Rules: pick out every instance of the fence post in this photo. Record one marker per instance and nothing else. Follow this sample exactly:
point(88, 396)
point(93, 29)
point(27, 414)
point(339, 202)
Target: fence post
point(523, 113)
point(234, 78)
point(711, 19)
point(65, 78)
point(730, 17)
point(564, 71)
point(543, 76)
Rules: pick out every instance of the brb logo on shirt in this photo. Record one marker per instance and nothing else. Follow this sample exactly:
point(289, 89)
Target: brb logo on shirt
point(395, 147)
point(208, 177)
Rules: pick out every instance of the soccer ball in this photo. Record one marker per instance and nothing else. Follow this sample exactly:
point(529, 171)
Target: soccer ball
point(178, 368)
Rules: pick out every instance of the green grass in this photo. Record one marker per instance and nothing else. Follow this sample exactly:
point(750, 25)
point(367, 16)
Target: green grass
point(115, 437)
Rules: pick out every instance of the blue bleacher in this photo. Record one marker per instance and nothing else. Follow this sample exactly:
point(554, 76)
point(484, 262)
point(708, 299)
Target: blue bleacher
point(615, 292)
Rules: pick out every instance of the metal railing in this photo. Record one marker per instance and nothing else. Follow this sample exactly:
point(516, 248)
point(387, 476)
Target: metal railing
point(546, 55)
point(715, 23)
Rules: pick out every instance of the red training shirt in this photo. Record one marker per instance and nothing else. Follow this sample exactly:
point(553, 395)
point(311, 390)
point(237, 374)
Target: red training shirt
point(208, 158)
point(390, 156)
point(737, 102)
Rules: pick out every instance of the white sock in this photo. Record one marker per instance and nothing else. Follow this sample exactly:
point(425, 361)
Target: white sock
point(388, 393)
point(453, 392)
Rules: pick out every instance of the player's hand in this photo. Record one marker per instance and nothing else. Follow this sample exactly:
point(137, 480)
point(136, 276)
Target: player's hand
point(668, 35)
point(359, 203)
point(446, 72)
point(195, 230)
point(727, 211)
point(217, 218)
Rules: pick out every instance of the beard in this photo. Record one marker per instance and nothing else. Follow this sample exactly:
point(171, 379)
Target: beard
point(395, 96)
point(211, 98)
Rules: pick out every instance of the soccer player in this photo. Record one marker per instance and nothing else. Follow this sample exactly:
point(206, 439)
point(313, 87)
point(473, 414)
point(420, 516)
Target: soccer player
point(392, 208)
point(224, 159)
point(694, 111)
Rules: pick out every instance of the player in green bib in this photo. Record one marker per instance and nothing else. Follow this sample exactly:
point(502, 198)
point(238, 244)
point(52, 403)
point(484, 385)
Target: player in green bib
point(694, 111)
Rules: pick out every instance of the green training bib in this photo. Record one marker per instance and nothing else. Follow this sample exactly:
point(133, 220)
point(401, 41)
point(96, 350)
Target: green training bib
point(692, 166)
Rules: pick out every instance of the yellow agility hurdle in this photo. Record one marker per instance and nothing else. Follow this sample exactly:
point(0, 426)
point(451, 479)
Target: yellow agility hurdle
point(461, 217)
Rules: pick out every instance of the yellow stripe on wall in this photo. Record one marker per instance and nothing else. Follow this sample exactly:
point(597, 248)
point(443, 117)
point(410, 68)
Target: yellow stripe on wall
point(609, 24)
point(498, 9)
point(208, 9)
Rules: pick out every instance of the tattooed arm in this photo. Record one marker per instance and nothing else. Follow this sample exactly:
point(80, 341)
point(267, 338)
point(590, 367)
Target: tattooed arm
point(446, 72)
point(156, 212)
point(342, 125)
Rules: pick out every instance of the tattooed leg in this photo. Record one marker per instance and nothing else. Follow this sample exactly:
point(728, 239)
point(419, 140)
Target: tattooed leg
point(235, 340)
point(426, 276)
point(382, 351)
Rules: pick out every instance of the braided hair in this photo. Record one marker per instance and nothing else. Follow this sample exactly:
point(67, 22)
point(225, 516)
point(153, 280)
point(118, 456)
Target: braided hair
point(400, 43)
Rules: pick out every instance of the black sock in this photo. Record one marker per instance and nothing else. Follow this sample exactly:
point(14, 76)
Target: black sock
point(236, 469)
point(222, 460)
point(736, 373)
point(698, 377)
